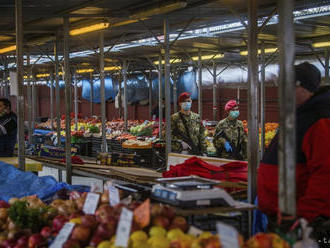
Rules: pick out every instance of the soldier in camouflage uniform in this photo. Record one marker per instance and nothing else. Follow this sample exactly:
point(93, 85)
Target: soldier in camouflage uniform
point(187, 129)
point(230, 138)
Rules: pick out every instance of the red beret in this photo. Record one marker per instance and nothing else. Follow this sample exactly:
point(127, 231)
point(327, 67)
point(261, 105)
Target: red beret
point(183, 96)
point(230, 105)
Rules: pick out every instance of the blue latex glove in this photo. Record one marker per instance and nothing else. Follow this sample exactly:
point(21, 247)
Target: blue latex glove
point(228, 147)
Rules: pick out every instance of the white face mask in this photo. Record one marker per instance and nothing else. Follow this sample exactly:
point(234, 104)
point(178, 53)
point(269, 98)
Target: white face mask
point(186, 106)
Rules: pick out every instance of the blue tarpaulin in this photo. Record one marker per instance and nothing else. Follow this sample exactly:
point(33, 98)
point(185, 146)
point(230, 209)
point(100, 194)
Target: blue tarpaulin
point(111, 90)
point(187, 83)
point(16, 183)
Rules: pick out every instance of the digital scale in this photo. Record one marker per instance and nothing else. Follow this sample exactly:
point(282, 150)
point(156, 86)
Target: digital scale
point(192, 191)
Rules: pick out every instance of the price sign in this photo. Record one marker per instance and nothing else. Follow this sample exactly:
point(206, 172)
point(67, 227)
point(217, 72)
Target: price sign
point(63, 235)
point(124, 228)
point(91, 202)
point(113, 195)
point(142, 214)
point(194, 231)
point(228, 236)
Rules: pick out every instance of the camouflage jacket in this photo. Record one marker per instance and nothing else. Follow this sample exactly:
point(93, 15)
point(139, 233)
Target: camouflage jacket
point(234, 131)
point(195, 134)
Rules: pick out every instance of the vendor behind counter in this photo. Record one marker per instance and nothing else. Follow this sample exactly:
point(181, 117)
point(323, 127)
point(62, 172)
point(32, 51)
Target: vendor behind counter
point(8, 128)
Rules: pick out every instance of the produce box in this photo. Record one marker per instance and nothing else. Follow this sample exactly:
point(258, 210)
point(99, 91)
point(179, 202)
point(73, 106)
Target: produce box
point(55, 152)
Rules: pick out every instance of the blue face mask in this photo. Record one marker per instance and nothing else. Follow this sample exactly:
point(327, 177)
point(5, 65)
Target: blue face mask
point(186, 106)
point(234, 114)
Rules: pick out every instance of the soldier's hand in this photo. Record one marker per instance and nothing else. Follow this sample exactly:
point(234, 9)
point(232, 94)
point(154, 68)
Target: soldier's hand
point(185, 146)
point(228, 147)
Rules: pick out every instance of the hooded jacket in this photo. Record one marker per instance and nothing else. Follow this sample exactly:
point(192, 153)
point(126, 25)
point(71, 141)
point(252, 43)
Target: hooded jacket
point(8, 134)
point(312, 162)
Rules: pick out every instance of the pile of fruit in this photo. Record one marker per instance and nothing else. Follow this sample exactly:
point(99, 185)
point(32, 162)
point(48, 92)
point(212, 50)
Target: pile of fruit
point(28, 222)
point(270, 131)
point(145, 129)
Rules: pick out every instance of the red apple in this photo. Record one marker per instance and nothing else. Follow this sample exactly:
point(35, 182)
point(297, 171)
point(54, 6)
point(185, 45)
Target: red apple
point(179, 222)
point(75, 215)
point(96, 239)
point(81, 233)
point(161, 221)
point(105, 230)
point(46, 232)
point(23, 241)
point(103, 213)
point(58, 222)
point(4, 204)
point(9, 243)
point(156, 210)
point(89, 220)
point(168, 212)
point(35, 240)
point(70, 243)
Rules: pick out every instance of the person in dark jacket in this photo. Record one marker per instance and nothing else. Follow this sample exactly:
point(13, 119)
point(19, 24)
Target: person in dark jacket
point(312, 154)
point(8, 128)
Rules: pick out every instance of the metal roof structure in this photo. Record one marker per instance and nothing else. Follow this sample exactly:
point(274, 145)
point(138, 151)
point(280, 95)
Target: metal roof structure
point(207, 25)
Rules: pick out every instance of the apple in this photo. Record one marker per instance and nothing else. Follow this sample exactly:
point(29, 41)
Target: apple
point(103, 213)
point(8, 243)
point(35, 240)
point(58, 222)
point(179, 222)
point(23, 241)
point(46, 232)
point(105, 230)
point(161, 221)
point(81, 233)
point(168, 212)
point(70, 243)
point(4, 204)
point(89, 220)
point(156, 210)
point(96, 239)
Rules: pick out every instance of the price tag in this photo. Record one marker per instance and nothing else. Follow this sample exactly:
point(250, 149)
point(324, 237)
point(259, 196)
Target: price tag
point(91, 202)
point(124, 228)
point(194, 231)
point(142, 214)
point(63, 235)
point(227, 235)
point(113, 195)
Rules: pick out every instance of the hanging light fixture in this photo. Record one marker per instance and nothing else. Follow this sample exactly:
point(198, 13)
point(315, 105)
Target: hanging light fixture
point(89, 28)
point(321, 44)
point(267, 50)
point(112, 68)
point(210, 56)
point(7, 49)
point(81, 71)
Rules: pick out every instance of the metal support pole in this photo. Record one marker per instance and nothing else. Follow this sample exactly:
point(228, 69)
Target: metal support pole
point(175, 92)
point(51, 92)
point(238, 95)
point(200, 98)
point(57, 95)
point(92, 92)
point(167, 87)
point(67, 78)
point(262, 99)
point(160, 96)
point(253, 135)
point(102, 89)
point(150, 95)
point(29, 98)
point(34, 107)
point(75, 103)
point(287, 137)
point(20, 96)
point(214, 91)
point(327, 68)
point(125, 93)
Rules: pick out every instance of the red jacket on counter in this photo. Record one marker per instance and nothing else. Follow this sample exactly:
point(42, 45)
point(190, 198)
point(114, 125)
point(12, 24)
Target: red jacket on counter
point(313, 162)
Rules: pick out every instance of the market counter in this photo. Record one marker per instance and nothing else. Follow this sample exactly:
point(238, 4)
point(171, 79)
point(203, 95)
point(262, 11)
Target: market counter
point(30, 164)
